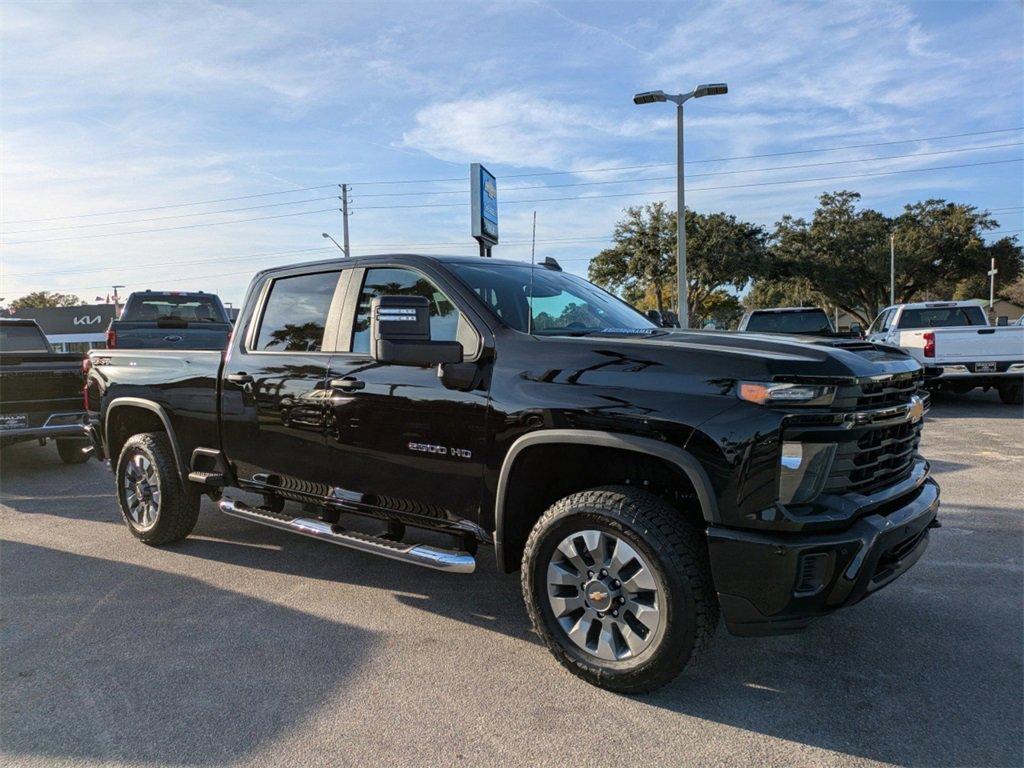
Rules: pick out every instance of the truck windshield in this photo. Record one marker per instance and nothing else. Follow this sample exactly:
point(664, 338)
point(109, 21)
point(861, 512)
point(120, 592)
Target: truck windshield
point(942, 317)
point(163, 306)
point(810, 322)
point(561, 304)
point(21, 338)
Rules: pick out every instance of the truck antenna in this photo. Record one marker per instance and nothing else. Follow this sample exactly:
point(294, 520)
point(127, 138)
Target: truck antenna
point(533, 266)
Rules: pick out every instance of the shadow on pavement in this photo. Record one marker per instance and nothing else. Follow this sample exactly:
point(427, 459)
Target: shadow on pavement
point(973, 405)
point(132, 668)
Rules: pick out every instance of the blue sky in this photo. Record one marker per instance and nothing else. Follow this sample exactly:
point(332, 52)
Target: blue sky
point(111, 107)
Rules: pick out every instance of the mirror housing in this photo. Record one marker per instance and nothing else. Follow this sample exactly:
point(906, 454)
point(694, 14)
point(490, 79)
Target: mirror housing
point(654, 316)
point(400, 333)
point(856, 330)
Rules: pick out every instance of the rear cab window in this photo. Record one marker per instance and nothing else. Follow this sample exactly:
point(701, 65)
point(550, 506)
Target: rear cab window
point(189, 307)
point(21, 338)
point(811, 321)
point(942, 317)
point(295, 313)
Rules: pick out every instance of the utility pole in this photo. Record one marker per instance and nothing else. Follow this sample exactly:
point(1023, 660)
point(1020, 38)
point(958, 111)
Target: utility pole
point(344, 219)
point(892, 269)
point(992, 285)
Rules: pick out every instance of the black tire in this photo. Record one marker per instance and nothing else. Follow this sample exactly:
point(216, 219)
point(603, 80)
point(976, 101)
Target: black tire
point(677, 554)
point(178, 506)
point(1012, 394)
point(71, 450)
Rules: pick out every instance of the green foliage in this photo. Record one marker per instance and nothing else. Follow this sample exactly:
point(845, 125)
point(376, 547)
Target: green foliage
point(42, 299)
point(721, 253)
point(843, 252)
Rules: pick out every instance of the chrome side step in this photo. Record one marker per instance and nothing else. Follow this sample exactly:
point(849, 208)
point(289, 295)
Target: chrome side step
point(439, 559)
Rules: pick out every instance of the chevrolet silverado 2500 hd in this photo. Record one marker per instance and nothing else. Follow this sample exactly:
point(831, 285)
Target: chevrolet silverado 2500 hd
point(644, 481)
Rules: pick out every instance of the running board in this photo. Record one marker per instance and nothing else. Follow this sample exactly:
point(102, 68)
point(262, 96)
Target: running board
point(439, 559)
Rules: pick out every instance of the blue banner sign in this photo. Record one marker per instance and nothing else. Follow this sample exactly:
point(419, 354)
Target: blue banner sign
point(484, 191)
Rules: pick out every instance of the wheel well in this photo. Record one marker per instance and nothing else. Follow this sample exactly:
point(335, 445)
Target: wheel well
point(128, 420)
point(543, 474)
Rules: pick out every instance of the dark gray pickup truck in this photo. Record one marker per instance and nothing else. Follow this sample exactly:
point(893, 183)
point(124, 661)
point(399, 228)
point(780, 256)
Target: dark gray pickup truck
point(40, 391)
point(170, 320)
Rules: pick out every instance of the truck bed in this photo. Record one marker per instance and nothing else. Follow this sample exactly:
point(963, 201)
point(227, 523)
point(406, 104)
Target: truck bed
point(966, 345)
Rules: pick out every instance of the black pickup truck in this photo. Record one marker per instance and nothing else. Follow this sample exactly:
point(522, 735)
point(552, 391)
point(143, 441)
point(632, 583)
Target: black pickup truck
point(643, 480)
point(40, 391)
point(794, 321)
point(170, 320)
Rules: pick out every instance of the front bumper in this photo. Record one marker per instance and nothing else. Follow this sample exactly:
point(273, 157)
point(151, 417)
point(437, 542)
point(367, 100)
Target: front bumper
point(776, 583)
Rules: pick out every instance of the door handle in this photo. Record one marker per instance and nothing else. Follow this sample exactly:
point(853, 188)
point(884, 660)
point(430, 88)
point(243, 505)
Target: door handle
point(239, 378)
point(347, 384)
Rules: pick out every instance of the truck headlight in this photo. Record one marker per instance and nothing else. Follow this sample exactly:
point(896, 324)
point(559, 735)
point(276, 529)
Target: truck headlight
point(803, 470)
point(768, 393)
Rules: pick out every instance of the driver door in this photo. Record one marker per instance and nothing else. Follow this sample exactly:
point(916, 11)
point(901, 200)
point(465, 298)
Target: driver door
point(399, 436)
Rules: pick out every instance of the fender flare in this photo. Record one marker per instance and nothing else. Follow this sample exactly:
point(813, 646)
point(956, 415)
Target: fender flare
point(149, 405)
point(680, 457)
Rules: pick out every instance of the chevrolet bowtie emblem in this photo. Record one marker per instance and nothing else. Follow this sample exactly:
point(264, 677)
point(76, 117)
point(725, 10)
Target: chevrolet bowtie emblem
point(916, 409)
point(597, 596)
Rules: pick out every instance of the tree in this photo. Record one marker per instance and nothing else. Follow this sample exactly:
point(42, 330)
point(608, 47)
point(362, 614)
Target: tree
point(1014, 292)
point(843, 252)
point(40, 299)
point(721, 253)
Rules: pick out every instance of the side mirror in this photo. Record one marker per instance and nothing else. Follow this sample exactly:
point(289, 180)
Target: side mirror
point(654, 316)
point(400, 333)
point(856, 330)
point(1002, 320)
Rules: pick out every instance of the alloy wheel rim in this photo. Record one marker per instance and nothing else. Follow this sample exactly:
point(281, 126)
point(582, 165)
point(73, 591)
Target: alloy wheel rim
point(604, 595)
point(142, 491)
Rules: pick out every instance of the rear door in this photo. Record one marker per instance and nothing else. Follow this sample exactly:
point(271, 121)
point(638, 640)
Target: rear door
point(401, 437)
point(274, 400)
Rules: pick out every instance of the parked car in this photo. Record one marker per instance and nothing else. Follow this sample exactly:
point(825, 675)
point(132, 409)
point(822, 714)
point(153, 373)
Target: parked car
point(958, 345)
point(40, 392)
point(794, 321)
point(170, 320)
point(645, 481)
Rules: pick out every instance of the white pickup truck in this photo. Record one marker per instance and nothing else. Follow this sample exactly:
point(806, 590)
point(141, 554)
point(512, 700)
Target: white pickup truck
point(957, 345)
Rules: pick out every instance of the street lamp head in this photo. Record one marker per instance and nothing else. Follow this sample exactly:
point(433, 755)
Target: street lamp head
point(710, 89)
point(325, 236)
point(649, 97)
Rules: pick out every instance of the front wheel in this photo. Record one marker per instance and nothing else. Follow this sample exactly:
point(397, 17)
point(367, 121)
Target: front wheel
point(618, 586)
point(155, 504)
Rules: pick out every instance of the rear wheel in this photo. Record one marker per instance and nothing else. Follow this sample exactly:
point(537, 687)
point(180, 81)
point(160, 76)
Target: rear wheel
point(1012, 394)
point(155, 504)
point(72, 450)
point(618, 586)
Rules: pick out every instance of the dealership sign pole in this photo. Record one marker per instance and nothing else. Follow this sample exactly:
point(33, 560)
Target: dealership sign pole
point(484, 193)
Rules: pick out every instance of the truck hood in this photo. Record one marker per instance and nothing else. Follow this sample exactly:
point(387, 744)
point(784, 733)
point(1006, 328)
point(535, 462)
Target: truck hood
point(756, 355)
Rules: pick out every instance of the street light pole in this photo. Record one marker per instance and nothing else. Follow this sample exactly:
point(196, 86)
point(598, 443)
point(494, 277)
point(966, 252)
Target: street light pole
point(649, 97)
point(683, 304)
point(328, 237)
point(892, 269)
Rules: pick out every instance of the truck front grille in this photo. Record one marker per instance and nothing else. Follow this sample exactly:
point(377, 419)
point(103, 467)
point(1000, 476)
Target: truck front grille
point(880, 457)
point(892, 390)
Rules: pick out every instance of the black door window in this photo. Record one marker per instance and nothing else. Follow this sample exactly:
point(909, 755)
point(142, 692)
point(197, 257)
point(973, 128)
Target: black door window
point(446, 323)
point(295, 315)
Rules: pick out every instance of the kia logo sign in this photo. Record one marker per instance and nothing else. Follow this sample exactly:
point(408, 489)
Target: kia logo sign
point(86, 320)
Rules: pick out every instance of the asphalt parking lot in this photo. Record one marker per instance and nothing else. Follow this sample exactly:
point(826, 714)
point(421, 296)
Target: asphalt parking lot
point(249, 646)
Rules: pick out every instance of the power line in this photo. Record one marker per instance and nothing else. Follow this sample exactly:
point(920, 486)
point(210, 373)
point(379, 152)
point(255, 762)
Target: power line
point(169, 229)
point(540, 186)
point(699, 189)
point(710, 173)
point(521, 175)
point(176, 215)
point(537, 200)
